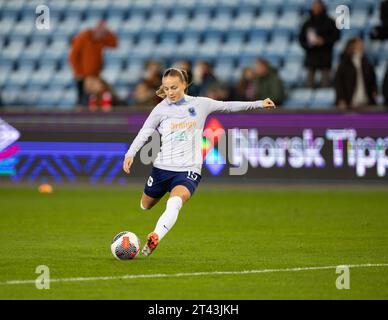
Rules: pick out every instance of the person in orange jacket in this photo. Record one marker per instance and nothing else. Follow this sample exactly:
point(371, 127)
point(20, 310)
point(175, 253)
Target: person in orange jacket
point(86, 57)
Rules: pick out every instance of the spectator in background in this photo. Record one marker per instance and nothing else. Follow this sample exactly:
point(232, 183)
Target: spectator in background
point(185, 65)
point(144, 95)
point(245, 89)
point(267, 82)
point(153, 74)
point(381, 32)
point(385, 88)
point(203, 78)
point(355, 79)
point(318, 36)
point(100, 95)
point(86, 56)
point(218, 91)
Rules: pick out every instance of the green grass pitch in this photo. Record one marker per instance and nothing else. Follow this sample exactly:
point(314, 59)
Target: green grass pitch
point(219, 229)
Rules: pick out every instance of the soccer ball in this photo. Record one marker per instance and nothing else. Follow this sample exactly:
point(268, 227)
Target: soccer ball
point(125, 246)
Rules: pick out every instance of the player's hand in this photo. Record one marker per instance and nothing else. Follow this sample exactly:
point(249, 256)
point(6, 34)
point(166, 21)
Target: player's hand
point(127, 164)
point(268, 103)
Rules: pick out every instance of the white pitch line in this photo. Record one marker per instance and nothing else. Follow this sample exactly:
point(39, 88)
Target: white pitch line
point(196, 274)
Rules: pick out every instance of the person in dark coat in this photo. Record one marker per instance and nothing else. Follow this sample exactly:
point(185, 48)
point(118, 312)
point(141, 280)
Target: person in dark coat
point(267, 82)
point(381, 32)
point(318, 36)
point(355, 79)
point(385, 88)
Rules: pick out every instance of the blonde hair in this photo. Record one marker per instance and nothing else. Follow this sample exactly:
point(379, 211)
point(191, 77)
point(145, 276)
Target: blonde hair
point(173, 72)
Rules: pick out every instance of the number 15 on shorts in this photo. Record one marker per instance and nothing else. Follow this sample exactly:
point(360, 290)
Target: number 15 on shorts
point(192, 175)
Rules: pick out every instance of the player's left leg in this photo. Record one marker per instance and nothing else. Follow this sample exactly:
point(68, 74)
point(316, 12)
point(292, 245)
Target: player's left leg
point(178, 196)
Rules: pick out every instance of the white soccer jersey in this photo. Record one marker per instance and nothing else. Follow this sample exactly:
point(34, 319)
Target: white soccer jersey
point(181, 126)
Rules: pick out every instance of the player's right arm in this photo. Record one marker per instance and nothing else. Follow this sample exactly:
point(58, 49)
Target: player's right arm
point(145, 132)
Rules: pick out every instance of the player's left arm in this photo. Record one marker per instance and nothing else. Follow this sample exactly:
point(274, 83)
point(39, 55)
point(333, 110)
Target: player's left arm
point(236, 106)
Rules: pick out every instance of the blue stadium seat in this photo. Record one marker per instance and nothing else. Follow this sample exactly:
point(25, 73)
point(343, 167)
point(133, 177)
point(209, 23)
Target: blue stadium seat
point(4, 72)
point(299, 98)
point(58, 49)
point(155, 22)
point(220, 22)
point(11, 8)
point(224, 70)
point(243, 21)
point(323, 99)
point(111, 71)
point(291, 73)
point(10, 96)
point(257, 36)
point(167, 46)
point(48, 99)
point(121, 52)
point(288, 23)
point(100, 6)
point(199, 22)
point(6, 25)
point(295, 52)
point(294, 5)
point(67, 100)
point(188, 47)
point(177, 22)
point(270, 7)
point(13, 50)
point(19, 78)
point(70, 25)
point(33, 51)
point(30, 96)
point(143, 49)
point(265, 22)
point(209, 49)
point(24, 27)
point(250, 52)
point(43, 75)
point(131, 26)
point(63, 77)
point(75, 7)
point(231, 49)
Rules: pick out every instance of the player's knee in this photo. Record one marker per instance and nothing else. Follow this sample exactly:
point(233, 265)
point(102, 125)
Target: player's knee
point(144, 207)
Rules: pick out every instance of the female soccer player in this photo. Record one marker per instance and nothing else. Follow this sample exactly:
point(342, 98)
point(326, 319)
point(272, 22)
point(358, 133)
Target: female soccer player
point(177, 167)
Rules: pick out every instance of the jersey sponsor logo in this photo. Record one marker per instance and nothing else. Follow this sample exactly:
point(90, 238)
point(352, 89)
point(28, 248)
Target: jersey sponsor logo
point(181, 136)
point(183, 125)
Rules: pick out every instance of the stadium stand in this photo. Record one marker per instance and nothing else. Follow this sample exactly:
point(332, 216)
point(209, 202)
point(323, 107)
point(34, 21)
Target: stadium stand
point(230, 34)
